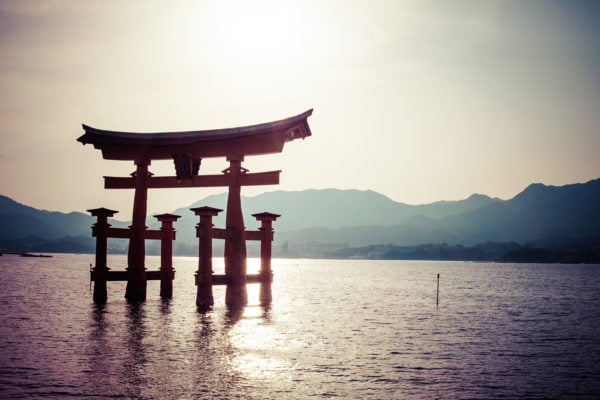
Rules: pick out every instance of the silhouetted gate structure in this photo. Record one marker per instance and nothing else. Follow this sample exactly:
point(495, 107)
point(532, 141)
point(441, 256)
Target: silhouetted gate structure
point(187, 149)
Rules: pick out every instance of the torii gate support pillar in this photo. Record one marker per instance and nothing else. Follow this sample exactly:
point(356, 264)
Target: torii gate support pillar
point(266, 228)
point(266, 273)
point(166, 254)
point(100, 271)
point(204, 232)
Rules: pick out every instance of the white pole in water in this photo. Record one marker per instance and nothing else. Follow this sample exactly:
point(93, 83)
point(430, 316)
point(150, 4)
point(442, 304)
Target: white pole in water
point(437, 293)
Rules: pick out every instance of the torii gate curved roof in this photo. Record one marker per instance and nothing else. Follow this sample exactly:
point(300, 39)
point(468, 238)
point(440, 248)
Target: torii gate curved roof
point(263, 138)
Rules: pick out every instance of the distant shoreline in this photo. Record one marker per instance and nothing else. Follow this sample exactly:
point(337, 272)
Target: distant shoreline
point(525, 255)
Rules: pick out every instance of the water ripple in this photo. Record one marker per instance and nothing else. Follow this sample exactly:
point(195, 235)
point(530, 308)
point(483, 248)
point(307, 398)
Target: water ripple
point(500, 331)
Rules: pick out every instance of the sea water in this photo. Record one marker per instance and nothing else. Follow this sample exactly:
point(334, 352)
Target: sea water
point(349, 329)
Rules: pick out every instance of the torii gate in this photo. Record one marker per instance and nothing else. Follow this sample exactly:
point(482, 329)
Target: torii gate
point(187, 149)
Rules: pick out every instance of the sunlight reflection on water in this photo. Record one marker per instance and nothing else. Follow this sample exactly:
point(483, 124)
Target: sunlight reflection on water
point(347, 329)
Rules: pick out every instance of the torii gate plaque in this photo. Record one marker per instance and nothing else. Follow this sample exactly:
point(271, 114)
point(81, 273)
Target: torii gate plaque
point(187, 149)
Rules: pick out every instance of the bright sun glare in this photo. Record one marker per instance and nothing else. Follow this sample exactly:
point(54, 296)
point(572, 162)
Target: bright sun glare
point(255, 33)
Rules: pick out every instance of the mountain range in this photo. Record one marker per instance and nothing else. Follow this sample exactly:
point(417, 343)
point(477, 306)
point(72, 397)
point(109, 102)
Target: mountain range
point(314, 221)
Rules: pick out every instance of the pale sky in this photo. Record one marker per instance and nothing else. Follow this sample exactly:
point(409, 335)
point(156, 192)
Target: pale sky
point(418, 100)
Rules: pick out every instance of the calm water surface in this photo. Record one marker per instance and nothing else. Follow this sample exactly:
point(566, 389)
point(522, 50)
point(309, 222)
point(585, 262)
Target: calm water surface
point(345, 329)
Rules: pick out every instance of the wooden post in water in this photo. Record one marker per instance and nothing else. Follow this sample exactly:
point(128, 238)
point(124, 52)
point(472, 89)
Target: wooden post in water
point(204, 232)
point(266, 228)
point(437, 292)
point(166, 254)
point(100, 270)
point(266, 273)
point(235, 240)
point(136, 255)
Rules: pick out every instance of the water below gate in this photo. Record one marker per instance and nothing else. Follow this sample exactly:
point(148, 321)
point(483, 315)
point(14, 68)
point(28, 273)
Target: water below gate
point(335, 328)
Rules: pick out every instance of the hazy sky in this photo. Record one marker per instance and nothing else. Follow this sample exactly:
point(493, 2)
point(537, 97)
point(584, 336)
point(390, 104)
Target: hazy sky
point(418, 100)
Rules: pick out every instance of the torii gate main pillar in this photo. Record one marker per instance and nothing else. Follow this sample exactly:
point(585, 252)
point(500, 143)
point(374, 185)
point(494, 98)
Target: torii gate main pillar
point(235, 240)
point(136, 269)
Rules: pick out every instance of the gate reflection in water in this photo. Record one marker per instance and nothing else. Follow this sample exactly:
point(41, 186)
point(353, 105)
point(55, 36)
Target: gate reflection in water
point(169, 350)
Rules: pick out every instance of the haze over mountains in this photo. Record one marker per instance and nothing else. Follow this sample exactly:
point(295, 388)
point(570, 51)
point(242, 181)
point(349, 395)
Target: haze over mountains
point(345, 218)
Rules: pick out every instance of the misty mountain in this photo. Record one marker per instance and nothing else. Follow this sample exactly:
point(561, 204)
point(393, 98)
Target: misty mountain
point(329, 208)
point(358, 218)
point(539, 212)
point(18, 220)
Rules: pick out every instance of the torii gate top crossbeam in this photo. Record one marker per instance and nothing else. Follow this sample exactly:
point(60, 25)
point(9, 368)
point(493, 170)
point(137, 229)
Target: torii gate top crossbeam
point(258, 139)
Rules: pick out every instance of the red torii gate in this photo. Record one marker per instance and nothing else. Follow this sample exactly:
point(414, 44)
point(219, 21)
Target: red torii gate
point(187, 149)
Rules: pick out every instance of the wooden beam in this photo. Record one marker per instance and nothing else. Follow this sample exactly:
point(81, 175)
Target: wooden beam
point(123, 276)
point(153, 234)
point(157, 275)
point(165, 182)
point(219, 233)
point(250, 278)
point(119, 233)
point(125, 233)
point(253, 235)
